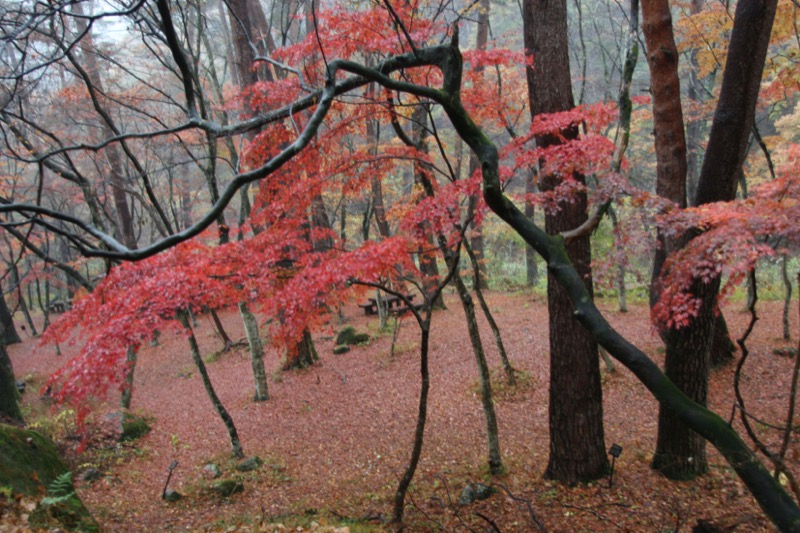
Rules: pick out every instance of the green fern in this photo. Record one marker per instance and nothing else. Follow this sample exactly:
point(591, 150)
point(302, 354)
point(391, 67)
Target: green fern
point(60, 490)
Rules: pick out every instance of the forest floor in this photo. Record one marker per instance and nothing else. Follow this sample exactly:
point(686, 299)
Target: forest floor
point(336, 437)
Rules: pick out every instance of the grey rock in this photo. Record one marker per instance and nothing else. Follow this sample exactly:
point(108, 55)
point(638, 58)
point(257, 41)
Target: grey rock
point(172, 496)
point(90, 474)
point(212, 470)
point(249, 464)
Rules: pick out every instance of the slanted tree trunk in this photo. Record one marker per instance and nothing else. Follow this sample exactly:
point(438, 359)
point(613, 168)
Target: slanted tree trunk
point(577, 443)
point(492, 433)
point(261, 393)
point(236, 446)
point(9, 402)
point(509, 370)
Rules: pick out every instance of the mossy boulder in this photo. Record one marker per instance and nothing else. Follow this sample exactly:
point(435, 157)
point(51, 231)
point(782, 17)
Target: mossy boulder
point(30, 467)
point(227, 487)
point(348, 337)
point(133, 427)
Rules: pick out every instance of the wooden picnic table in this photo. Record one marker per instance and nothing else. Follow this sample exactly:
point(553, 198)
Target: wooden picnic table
point(392, 302)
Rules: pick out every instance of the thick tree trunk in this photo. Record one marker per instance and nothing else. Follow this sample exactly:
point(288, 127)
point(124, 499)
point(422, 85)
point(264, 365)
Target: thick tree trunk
point(9, 404)
point(680, 453)
point(722, 348)
point(577, 443)
point(8, 333)
point(301, 355)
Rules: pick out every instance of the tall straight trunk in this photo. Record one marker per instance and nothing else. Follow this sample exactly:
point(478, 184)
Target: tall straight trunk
point(427, 257)
point(261, 393)
point(236, 446)
point(9, 401)
point(531, 258)
point(787, 299)
point(116, 168)
point(694, 128)
point(481, 41)
point(577, 442)
point(680, 453)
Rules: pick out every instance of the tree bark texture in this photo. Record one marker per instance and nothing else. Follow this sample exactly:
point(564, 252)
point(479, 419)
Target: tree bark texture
point(301, 355)
point(679, 452)
point(8, 333)
point(577, 442)
point(9, 401)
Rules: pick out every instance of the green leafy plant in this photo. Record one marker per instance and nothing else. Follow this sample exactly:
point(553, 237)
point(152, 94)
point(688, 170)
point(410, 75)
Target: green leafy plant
point(60, 490)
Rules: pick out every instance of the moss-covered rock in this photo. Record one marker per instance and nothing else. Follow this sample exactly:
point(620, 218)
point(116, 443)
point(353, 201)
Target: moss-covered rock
point(30, 466)
point(349, 337)
point(227, 487)
point(133, 427)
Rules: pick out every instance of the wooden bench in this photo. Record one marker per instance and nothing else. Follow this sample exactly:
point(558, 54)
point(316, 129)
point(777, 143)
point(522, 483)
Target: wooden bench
point(397, 311)
point(392, 303)
point(57, 306)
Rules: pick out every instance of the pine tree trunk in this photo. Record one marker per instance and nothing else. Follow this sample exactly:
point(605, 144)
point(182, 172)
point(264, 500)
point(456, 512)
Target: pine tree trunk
point(577, 443)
